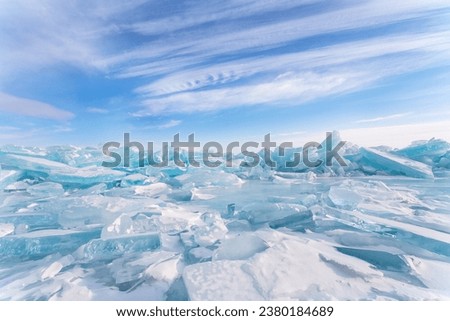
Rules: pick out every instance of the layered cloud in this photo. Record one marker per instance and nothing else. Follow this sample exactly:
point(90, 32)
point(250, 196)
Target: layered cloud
point(31, 108)
point(176, 59)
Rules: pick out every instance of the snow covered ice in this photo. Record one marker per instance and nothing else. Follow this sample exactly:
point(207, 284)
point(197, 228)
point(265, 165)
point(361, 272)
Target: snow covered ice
point(378, 229)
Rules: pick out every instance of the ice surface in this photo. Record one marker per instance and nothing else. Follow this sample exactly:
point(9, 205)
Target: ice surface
point(378, 229)
point(219, 280)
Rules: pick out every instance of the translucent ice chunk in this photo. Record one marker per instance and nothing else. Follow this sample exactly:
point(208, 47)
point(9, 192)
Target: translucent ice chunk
point(31, 220)
point(46, 189)
point(8, 177)
point(203, 177)
point(56, 267)
point(61, 173)
point(167, 271)
point(123, 225)
point(199, 254)
point(257, 213)
point(42, 243)
point(298, 222)
point(128, 270)
point(425, 151)
point(239, 248)
point(115, 247)
point(395, 164)
point(6, 229)
point(133, 179)
point(344, 197)
point(85, 176)
point(444, 161)
point(16, 186)
point(152, 190)
point(212, 230)
point(380, 259)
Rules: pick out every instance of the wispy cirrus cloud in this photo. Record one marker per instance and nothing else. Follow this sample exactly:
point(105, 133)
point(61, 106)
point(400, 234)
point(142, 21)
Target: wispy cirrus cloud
point(287, 89)
point(382, 118)
point(95, 110)
point(425, 45)
point(32, 108)
point(397, 135)
point(190, 68)
point(170, 124)
point(184, 58)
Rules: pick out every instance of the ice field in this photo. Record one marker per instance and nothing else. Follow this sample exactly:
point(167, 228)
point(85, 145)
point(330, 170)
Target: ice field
point(377, 229)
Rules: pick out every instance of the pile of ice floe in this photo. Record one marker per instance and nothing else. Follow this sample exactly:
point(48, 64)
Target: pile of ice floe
point(376, 229)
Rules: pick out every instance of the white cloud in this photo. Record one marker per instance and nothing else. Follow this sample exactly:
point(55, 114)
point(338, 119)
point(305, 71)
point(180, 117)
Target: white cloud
point(32, 108)
point(62, 129)
point(171, 123)
point(213, 11)
point(94, 110)
point(382, 118)
point(8, 128)
point(426, 44)
point(217, 41)
point(189, 58)
point(289, 89)
point(398, 135)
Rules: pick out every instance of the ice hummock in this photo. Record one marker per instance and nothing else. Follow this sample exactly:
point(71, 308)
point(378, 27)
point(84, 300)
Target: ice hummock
point(377, 229)
point(394, 164)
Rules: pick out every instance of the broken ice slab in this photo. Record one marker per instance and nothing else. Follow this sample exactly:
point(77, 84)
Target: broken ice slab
point(198, 255)
point(37, 244)
point(297, 222)
point(6, 229)
point(128, 270)
point(19, 186)
point(126, 225)
point(133, 179)
point(31, 220)
point(29, 163)
point(8, 177)
point(219, 281)
point(427, 152)
point(344, 197)
point(54, 268)
point(257, 213)
point(207, 232)
point(202, 177)
point(46, 189)
point(85, 176)
point(153, 190)
point(167, 271)
point(115, 247)
point(380, 259)
point(240, 247)
point(59, 172)
point(395, 164)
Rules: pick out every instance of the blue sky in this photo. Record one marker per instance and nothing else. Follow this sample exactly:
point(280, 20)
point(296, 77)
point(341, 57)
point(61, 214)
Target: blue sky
point(85, 72)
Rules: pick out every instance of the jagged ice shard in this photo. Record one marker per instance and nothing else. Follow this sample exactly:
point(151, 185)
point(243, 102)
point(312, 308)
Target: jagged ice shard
point(377, 229)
